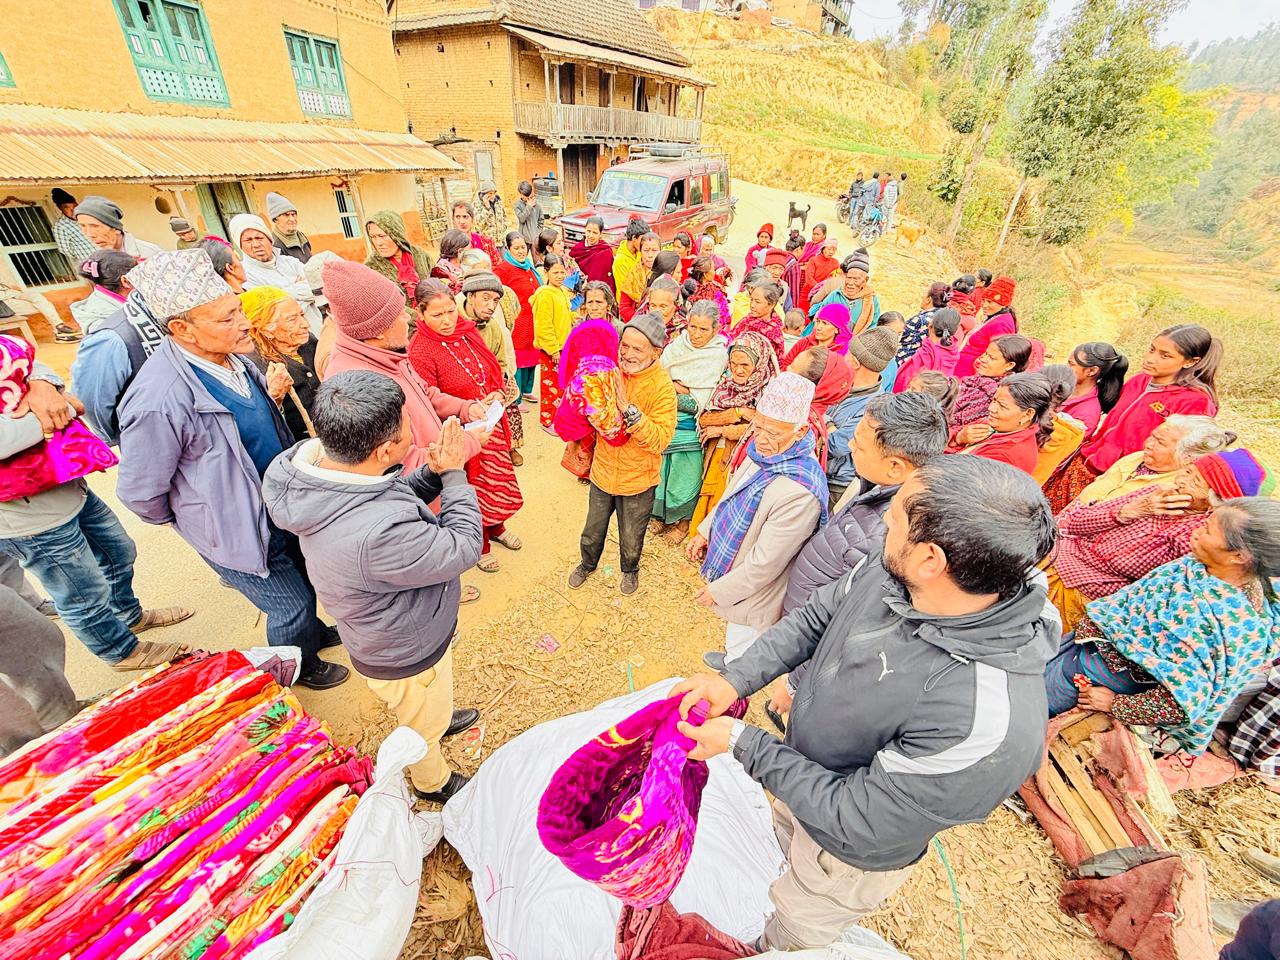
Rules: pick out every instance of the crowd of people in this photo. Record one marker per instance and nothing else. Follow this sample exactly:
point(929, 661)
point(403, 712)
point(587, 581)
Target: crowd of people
point(913, 513)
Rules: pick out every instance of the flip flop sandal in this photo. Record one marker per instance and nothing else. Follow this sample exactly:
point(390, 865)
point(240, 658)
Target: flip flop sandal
point(469, 594)
point(147, 654)
point(510, 541)
point(488, 565)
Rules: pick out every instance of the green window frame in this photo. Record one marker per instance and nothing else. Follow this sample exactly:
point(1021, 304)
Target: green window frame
point(172, 51)
point(317, 73)
point(6, 75)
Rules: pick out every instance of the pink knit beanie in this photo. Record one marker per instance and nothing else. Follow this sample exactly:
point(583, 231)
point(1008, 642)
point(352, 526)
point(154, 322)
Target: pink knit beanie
point(362, 302)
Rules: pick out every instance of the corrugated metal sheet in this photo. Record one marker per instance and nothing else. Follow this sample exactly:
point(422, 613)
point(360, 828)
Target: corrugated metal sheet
point(43, 144)
point(584, 51)
point(616, 24)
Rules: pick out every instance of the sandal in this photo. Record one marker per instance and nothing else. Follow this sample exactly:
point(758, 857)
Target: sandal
point(148, 654)
point(160, 617)
point(508, 540)
point(657, 528)
point(488, 564)
point(469, 594)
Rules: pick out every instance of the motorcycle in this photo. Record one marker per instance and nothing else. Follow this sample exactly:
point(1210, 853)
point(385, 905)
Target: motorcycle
point(843, 206)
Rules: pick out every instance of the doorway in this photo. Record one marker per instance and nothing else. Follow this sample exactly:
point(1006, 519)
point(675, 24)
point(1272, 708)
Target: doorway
point(579, 174)
point(219, 202)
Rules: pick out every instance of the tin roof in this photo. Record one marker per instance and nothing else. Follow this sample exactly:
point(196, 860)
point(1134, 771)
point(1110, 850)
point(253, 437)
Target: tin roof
point(576, 50)
point(43, 144)
point(616, 24)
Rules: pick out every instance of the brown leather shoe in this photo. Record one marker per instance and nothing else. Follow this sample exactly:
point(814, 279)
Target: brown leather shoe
point(160, 617)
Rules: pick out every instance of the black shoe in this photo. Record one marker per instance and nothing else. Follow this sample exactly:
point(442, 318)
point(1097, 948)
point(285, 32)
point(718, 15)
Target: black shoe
point(451, 786)
point(462, 720)
point(579, 576)
point(323, 676)
point(331, 638)
point(714, 660)
point(630, 583)
point(65, 334)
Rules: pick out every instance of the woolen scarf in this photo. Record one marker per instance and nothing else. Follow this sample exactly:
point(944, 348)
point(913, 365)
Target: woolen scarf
point(728, 393)
point(698, 368)
point(525, 264)
point(738, 507)
point(832, 388)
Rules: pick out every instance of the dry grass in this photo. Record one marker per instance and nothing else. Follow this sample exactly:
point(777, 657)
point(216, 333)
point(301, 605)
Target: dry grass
point(1006, 871)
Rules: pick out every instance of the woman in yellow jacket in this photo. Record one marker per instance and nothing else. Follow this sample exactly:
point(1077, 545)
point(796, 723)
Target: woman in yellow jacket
point(552, 321)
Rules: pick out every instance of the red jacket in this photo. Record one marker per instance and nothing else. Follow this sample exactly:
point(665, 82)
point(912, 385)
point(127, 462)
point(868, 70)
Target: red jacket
point(1138, 412)
point(1018, 449)
point(524, 284)
point(976, 346)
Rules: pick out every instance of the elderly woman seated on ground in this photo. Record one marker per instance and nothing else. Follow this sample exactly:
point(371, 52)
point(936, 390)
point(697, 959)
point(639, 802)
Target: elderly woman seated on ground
point(1106, 546)
point(1175, 649)
point(1170, 447)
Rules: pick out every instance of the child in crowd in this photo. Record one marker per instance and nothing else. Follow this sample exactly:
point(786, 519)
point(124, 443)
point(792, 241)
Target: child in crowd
point(793, 325)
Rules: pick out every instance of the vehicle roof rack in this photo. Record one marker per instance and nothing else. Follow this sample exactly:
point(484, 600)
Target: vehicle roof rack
point(672, 151)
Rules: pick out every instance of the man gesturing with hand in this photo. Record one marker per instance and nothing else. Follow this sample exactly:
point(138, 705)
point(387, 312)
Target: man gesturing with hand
point(923, 705)
point(383, 564)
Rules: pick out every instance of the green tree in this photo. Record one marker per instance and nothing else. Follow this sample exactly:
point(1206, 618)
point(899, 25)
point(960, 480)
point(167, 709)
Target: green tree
point(1006, 58)
point(1094, 110)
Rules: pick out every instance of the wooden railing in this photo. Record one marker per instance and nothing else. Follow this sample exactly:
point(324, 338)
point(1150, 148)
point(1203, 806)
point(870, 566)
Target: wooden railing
point(569, 122)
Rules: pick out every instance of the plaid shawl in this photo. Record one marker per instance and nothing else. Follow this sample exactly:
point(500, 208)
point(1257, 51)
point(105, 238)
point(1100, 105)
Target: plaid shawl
point(734, 513)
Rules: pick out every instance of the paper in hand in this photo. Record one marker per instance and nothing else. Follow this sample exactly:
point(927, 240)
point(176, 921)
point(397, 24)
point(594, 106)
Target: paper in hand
point(491, 418)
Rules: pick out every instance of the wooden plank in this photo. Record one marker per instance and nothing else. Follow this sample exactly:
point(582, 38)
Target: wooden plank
point(1158, 799)
point(1085, 727)
point(1076, 813)
point(1110, 826)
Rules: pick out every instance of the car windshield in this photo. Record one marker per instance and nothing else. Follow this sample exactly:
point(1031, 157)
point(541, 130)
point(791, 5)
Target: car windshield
point(632, 191)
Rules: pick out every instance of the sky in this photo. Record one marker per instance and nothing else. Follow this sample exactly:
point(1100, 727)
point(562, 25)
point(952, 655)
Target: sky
point(1202, 20)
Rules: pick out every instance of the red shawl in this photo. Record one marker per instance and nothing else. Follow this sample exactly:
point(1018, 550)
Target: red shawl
point(596, 263)
point(812, 249)
point(770, 327)
point(463, 366)
point(832, 388)
point(450, 273)
point(523, 283)
point(815, 272)
point(481, 242)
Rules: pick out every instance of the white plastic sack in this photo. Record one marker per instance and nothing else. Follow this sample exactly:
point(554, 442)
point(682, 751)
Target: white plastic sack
point(856, 943)
point(363, 908)
point(535, 909)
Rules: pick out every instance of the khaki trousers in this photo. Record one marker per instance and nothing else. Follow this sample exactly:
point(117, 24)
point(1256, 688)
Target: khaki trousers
point(424, 703)
point(819, 897)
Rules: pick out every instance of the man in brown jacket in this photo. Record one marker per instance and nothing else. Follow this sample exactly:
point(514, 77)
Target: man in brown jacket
point(774, 500)
point(628, 462)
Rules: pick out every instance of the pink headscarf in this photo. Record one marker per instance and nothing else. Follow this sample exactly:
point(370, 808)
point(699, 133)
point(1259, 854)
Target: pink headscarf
point(67, 454)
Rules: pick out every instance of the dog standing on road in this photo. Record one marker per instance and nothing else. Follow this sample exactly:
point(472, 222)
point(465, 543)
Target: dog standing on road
point(911, 232)
point(796, 213)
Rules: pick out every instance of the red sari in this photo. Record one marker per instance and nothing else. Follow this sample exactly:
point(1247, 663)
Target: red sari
point(769, 327)
point(523, 283)
point(463, 366)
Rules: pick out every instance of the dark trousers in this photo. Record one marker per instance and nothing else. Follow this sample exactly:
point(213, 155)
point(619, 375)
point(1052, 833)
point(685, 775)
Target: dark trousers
point(34, 694)
point(285, 595)
point(633, 520)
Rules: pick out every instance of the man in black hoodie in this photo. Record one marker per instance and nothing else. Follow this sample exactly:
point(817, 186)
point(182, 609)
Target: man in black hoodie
point(923, 705)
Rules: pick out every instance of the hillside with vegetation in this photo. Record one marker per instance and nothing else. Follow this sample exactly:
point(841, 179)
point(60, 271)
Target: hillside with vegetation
point(1011, 168)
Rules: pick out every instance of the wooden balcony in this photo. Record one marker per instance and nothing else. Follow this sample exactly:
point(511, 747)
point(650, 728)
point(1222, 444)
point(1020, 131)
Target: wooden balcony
point(560, 124)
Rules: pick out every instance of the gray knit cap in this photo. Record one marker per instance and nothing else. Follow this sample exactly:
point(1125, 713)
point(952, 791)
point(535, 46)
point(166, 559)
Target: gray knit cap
point(277, 204)
point(107, 212)
point(179, 225)
point(859, 259)
point(482, 281)
point(651, 325)
point(874, 348)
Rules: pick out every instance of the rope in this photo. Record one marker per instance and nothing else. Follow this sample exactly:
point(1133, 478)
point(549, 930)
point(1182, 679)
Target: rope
point(955, 895)
point(631, 683)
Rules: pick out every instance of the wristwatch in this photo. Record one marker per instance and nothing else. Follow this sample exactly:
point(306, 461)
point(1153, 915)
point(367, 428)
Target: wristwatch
point(631, 416)
point(738, 729)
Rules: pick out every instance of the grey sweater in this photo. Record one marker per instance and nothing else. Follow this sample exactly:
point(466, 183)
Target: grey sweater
point(382, 563)
point(905, 723)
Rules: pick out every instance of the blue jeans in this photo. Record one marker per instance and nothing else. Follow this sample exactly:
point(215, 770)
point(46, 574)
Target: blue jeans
point(285, 595)
point(86, 565)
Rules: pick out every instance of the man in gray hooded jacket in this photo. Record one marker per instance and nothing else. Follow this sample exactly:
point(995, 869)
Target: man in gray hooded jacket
point(382, 563)
point(923, 705)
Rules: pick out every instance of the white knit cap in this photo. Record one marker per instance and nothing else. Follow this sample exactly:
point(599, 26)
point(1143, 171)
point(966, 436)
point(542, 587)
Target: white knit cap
point(173, 281)
point(787, 397)
point(246, 221)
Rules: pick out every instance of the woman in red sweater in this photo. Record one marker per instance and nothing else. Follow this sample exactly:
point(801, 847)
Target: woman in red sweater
point(1100, 370)
point(1020, 419)
point(1178, 376)
point(1001, 321)
point(517, 272)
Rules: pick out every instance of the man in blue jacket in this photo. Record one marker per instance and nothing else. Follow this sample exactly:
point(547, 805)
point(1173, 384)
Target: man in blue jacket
point(385, 566)
point(924, 703)
point(198, 428)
